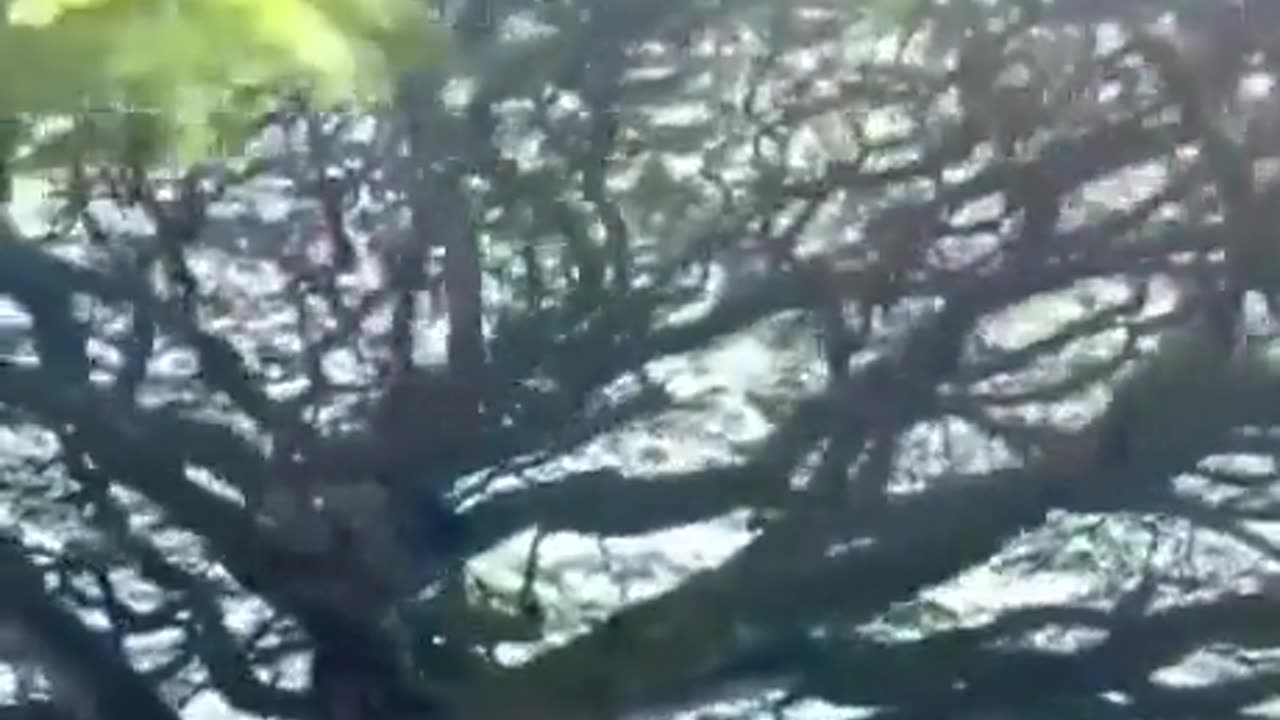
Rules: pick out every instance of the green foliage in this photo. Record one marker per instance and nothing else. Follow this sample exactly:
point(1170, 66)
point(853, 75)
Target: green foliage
point(196, 64)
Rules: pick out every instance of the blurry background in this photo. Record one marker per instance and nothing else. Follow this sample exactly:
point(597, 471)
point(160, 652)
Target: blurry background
point(715, 359)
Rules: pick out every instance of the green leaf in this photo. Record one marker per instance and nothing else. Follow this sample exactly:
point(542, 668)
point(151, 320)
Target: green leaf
point(187, 61)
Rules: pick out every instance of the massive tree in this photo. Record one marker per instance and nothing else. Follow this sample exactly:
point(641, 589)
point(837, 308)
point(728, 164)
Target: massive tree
point(939, 332)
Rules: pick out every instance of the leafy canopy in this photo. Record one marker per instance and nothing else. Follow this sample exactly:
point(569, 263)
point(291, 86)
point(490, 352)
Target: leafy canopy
point(190, 62)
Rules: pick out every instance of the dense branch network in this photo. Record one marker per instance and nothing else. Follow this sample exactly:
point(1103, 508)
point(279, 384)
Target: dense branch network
point(337, 525)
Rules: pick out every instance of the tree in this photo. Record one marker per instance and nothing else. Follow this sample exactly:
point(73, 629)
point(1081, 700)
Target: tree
point(380, 416)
